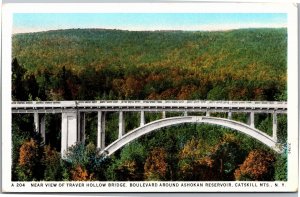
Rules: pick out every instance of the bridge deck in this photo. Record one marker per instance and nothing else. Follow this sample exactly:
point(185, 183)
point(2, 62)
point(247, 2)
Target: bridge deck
point(149, 105)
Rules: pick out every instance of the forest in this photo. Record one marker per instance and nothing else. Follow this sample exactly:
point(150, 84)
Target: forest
point(96, 64)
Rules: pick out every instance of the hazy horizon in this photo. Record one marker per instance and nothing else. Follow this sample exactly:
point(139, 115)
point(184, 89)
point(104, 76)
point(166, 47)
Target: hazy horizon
point(150, 30)
point(39, 22)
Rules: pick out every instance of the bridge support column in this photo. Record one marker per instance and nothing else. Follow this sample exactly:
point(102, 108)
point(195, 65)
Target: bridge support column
point(207, 113)
point(251, 119)
point(68, 130)
point(230, 115)
point(164, 114)
point(121, 124)
point(36, 122)
point(39, 124)
point(275, 126)
point(81, 127)
point(43, 126)
point(142, 118)
point(101, 130)
point(185, 113)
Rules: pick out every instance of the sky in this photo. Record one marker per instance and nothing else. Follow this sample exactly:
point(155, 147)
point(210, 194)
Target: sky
point(35, 22)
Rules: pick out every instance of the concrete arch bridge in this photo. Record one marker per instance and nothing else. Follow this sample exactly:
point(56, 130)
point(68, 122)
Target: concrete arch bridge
point(73, 118)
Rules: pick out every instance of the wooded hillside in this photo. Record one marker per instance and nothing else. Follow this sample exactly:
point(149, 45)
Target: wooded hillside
point(248, 64)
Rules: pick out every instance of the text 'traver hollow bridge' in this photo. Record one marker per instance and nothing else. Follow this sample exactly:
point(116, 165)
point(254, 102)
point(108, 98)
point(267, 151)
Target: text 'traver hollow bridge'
point(73, 117)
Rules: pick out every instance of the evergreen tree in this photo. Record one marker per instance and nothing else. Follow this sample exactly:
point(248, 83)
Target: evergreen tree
point(19, 92)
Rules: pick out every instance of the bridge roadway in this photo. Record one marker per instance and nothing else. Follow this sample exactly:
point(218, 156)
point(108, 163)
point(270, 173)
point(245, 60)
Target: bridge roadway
point(149, 105)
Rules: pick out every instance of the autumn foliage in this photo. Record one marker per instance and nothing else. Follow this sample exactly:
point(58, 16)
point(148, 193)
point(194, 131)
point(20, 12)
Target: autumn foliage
point(150, 65)
point(194, 164)
point(227, 156)
point(81, 174)
point(29, 160)
point(201, 162)
point(156, 165)
point(258, 166)
point(52, 162)
point(127, 171)
point(28, 152)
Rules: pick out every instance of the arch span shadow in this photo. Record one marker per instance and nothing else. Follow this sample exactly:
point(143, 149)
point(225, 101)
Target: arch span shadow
point(152, 126)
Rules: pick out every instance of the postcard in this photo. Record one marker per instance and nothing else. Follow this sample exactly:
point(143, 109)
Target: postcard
point(150, 97)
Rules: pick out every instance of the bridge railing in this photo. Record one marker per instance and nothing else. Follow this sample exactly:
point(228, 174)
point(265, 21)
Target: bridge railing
point(184, 103)
point(151, 104)
point(43, 104)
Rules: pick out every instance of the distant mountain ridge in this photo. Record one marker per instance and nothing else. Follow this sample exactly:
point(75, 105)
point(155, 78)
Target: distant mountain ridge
point(32, 41)
point(163, 30)
point(196, 60)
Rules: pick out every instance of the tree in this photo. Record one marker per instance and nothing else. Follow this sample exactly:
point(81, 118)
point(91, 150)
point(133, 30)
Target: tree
point(127, 171)
point(217, 93)
point(63, 90)
point(22, 131)
point(130, 166)
point(32, 87)
point(18, 89)
point(52, 162)
point(87, 161)
point(156, 165)
point(281, 167)
point(30, 166)
point(194, 165)
point(45, 84)
point(81, 174)
point(131, 88)
point(258, 166)
point(227, 155)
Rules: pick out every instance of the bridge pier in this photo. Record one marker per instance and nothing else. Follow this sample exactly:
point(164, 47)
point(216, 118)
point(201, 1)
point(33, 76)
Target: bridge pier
point(36, 122)
point(275, 126)
point(121, 124)
point(185, 113)
point(42, 126)
point(142, 123)
point(69, 134)
point(251, 119)
point(164, 114)
point(207, 113)
point(101, 130)
point(81, 127)
point(39, 124)
point(230, 115)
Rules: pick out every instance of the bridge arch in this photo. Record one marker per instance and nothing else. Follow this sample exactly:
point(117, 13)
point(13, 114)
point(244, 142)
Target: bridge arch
point(152, 126)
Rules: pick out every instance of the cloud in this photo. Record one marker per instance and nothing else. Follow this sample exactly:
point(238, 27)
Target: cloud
point(17, 30)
